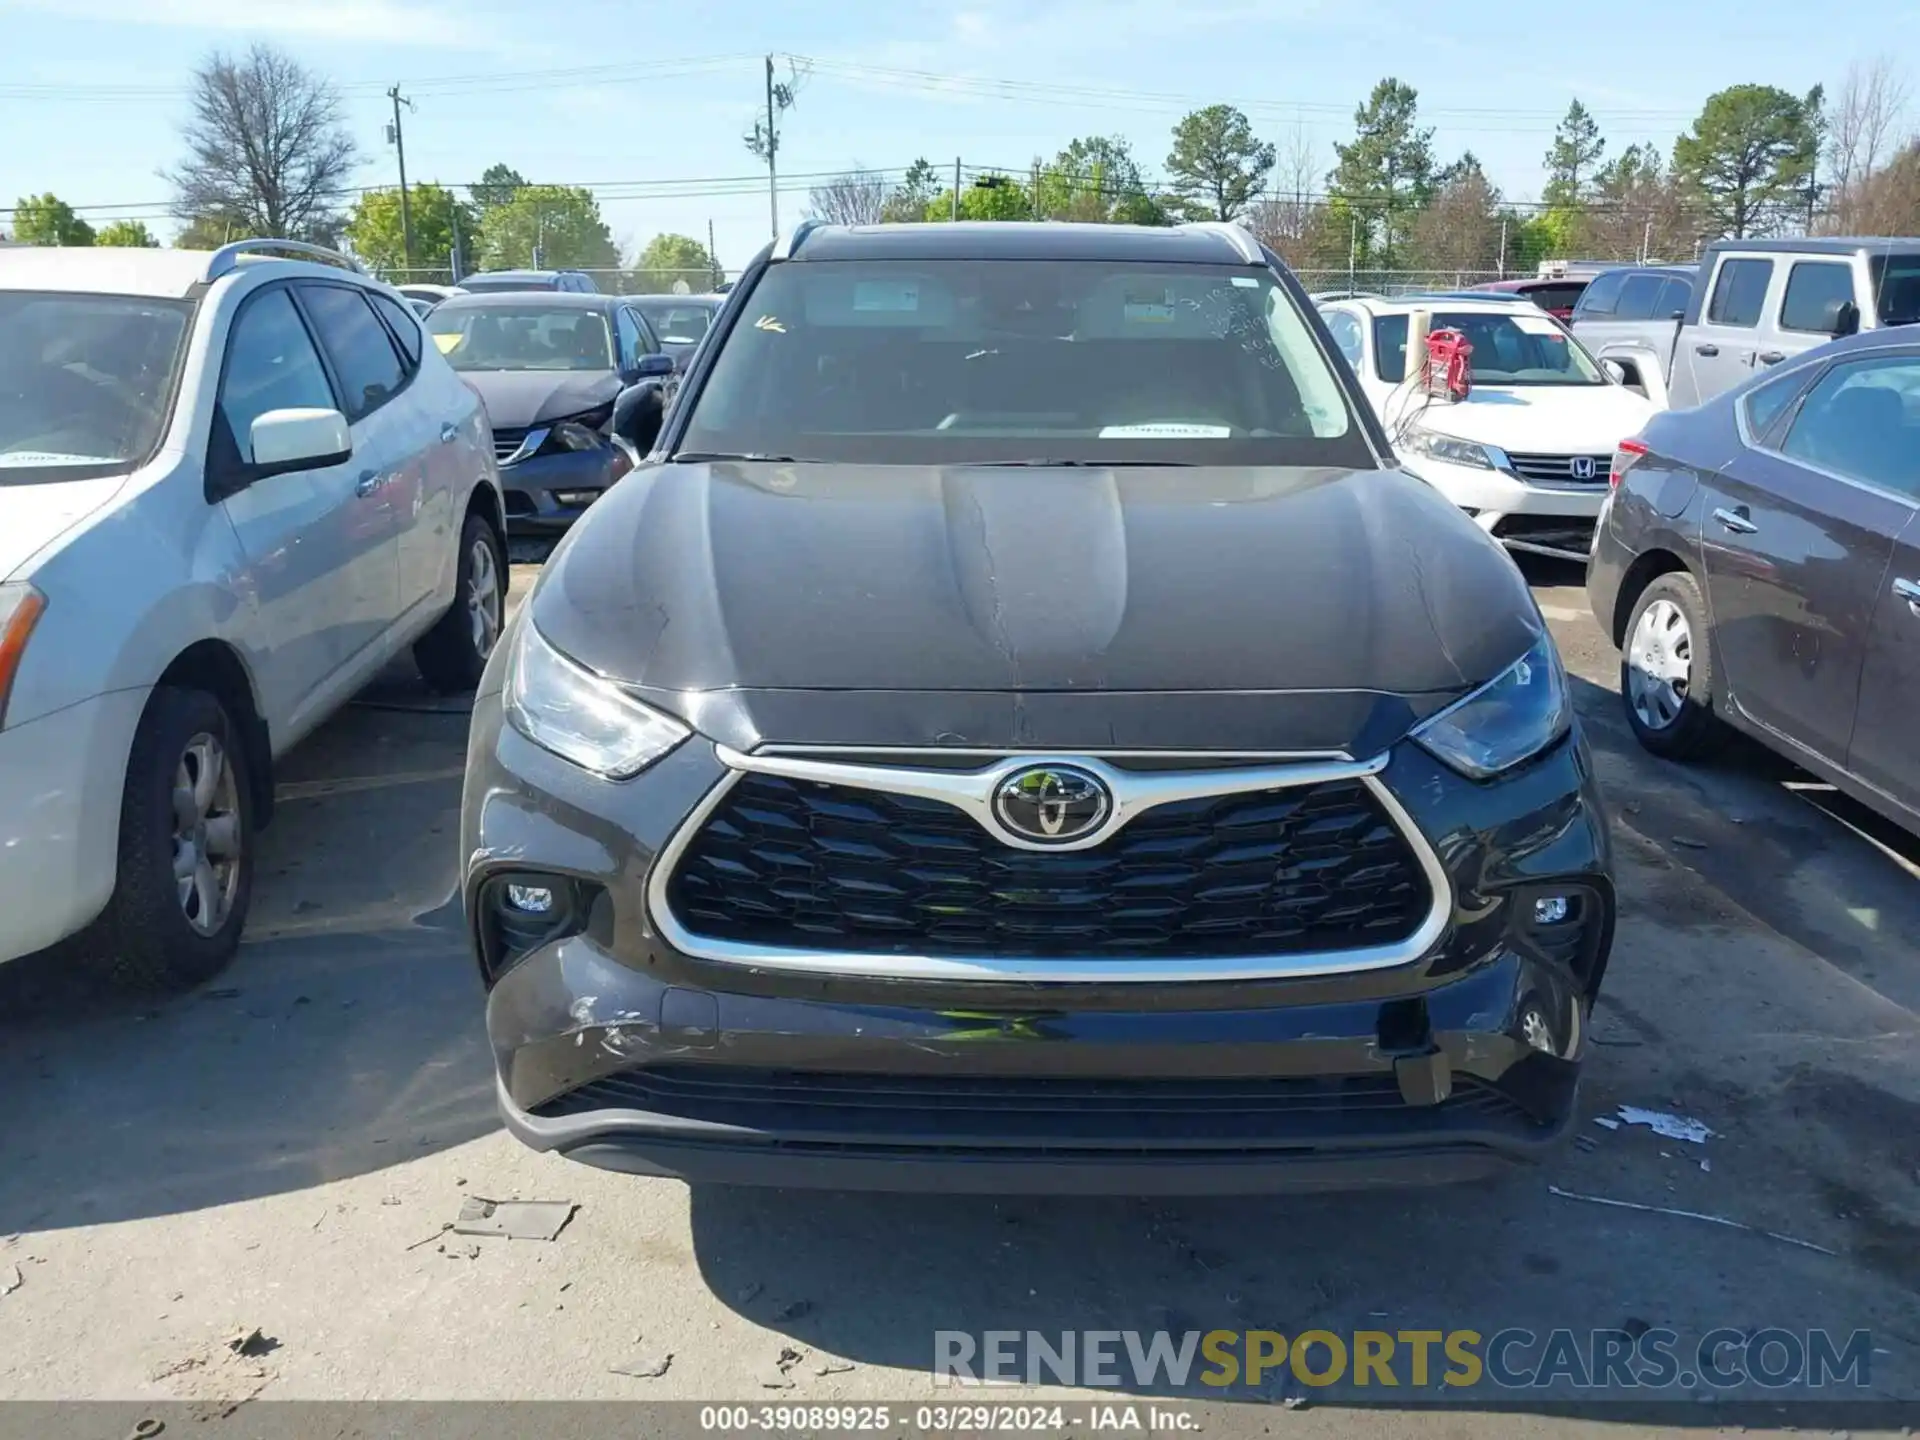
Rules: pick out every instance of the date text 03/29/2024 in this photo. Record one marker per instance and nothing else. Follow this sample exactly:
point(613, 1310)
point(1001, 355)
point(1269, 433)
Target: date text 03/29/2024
point(942, 1418)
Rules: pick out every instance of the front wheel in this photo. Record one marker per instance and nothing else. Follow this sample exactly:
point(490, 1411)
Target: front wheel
point(1666, 671)
point(453, 654)
point(185, 873)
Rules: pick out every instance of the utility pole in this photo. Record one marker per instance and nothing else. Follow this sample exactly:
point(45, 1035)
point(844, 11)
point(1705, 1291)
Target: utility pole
point(956, 187)
point(1646, 243)
point(713, 259)
point(400, 149)
point(1503, 247)
point(773, 145)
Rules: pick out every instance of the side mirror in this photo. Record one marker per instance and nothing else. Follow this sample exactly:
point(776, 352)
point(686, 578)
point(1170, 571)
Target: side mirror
point(286, 440)
point(1842, 317)
point(1615, 371)
point(638, 413)
point(654, 367)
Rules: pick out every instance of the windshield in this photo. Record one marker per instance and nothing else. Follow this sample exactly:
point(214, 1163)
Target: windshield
point(525, 336)
point(86, 382)
point(1518, 349)
point(679, 322)
point(969, 361)
point(1896, 279)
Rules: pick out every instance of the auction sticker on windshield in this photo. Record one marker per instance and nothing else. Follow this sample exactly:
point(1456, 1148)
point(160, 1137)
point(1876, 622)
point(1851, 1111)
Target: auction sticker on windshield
point(892, 296)
point(1539, 325)
point(1165, 430)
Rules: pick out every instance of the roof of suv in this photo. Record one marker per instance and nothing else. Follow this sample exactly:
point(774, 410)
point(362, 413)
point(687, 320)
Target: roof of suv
point(1014, 240)
point(1459, 304)
point(520, 299)
point(110, 270)
point(1826, 245)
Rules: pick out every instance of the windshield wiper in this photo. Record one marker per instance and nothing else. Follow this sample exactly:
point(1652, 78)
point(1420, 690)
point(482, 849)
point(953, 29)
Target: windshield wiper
point(707, 456)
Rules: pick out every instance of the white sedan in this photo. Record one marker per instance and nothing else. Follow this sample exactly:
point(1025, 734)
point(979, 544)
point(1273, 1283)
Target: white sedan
point(1527, 453)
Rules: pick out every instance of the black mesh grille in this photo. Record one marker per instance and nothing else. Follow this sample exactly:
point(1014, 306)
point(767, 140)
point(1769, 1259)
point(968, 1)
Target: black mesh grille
point(1019, 1110)
point(812, 866)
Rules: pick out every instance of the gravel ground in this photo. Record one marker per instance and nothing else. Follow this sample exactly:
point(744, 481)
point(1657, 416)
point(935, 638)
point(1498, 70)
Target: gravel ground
point(280, 1151)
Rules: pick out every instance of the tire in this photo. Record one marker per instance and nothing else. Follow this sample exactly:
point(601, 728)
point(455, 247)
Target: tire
point(453, 654)
point(163, 932)
point(1666, 671)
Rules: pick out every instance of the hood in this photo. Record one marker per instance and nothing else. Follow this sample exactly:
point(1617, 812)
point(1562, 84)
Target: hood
point(1544, 419)
point(517, 399)
point(1092, 595)
point(34, 515)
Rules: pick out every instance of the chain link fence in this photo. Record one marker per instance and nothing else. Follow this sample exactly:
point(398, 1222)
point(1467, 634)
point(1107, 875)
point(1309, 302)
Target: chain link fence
point(610, 281)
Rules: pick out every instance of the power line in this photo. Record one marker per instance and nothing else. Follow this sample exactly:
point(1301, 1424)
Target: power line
point(1054, 92)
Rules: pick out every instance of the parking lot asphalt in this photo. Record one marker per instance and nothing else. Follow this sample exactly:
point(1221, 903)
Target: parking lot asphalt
point(282, 1150)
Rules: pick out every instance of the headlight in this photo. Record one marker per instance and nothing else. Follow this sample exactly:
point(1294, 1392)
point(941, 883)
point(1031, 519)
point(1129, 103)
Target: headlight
point(572, 435)
point(1511, 718)
point(566, 708)
point(1448, 448)
point(20, 609)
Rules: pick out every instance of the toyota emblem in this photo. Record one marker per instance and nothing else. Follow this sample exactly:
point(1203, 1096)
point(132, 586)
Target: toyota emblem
point(1583, 467)
point(1052, 804)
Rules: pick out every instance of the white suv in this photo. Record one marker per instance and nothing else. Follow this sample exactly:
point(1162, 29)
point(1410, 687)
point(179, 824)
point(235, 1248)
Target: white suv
point(232, 487)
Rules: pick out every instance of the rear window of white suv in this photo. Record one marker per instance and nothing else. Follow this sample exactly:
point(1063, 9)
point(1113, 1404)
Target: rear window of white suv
point(86, 382)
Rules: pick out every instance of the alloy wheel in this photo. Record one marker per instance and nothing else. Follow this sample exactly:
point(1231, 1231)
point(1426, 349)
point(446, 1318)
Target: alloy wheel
point(483, 597)
point(1660, 665)
point(206, 833)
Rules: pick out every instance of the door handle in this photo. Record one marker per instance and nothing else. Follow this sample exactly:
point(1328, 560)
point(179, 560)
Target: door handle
point(1909, 591)
point(368, 484)
point(449, 433)
point(1735, 521)
point(1772, 357)
point(1708, 350)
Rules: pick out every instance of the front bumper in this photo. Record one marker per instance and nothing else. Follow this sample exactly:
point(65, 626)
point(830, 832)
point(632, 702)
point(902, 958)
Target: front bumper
point(1524, 515)
point(539, 490)
point(61, 780)
point(616, 1048)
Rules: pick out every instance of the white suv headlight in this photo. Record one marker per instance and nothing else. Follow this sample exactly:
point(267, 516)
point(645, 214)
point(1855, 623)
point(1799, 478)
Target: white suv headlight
point(566, 708)
point(1448, 448)
point(1513, 717)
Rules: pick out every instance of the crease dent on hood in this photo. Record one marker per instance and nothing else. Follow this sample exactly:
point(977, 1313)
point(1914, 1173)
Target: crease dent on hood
point(1041, 564)
point(1426, 610)
point(997, 617)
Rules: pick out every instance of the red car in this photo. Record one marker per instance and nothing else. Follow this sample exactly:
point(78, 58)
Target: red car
point(1555, 296)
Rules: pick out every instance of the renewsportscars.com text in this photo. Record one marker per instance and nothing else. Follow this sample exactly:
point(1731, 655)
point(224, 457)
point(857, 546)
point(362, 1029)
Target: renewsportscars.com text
point(1509, 1359)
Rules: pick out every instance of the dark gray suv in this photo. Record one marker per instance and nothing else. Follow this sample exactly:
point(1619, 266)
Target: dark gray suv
point(1017, 731)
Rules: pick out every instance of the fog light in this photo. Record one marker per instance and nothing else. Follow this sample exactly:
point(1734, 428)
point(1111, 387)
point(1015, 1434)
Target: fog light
point(531, 899)
point(576, 498)
point(1551, 909)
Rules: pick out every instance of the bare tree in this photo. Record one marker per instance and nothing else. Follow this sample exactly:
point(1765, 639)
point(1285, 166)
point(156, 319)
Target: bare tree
point(265, 146)
point(1862, 136)
point(1887, 202)
point(855, 198)
point(1289, 219)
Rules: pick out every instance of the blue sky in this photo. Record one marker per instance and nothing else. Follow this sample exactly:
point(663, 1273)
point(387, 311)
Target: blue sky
point(658, 92)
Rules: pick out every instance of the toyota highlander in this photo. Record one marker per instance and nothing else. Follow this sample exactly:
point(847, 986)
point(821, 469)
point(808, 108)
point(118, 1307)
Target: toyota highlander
point(1018, 731)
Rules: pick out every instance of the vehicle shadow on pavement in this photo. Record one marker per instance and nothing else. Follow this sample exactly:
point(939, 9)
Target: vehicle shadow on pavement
point(1812, 864)
point(347, 1036)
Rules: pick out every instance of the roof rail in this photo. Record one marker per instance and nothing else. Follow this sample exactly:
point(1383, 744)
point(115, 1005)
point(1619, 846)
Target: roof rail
point(785, 247)
point(1243, 243)
point(227, 258)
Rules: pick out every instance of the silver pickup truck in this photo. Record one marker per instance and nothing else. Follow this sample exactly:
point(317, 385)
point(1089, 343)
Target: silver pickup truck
point(1748, 304)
